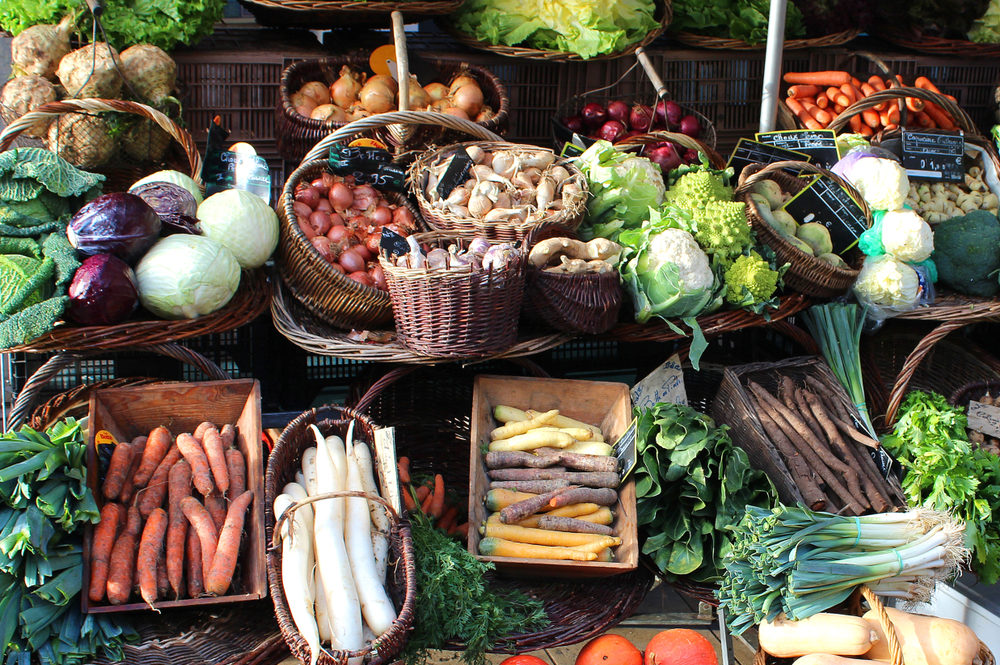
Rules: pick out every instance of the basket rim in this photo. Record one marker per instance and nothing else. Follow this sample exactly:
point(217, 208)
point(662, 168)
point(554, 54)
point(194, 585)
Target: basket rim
point(728, 44)
point(564, 56)
point(917, 40)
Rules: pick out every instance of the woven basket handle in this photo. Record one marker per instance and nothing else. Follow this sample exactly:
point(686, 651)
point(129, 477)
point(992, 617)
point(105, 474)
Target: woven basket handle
point(748, 181)
point(683, 140)
point(90, 105)
point(892, 642)
point(913, 360)
point(960, 117)
point(26, 398)
point(353, 129)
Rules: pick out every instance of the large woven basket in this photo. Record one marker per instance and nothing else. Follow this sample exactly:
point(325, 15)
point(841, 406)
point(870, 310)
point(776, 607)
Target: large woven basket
point(282, 464)
point(457, 312)
point(320, 288)
point(431, 408)
point(317, 14)
point(806, 273)
point(663, 15)
point(296, 134)
point(728, 44)
point(896, 93)
point(439, 219)
point(932, 45)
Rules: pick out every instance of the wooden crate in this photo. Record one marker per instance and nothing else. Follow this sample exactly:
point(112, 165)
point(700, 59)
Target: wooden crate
point(607, 405)
point(130, 412)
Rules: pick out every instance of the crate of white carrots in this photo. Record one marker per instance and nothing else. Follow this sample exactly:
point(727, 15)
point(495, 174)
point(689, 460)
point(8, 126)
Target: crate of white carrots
point(340, 557)
point(545, 495)
point(178, 472)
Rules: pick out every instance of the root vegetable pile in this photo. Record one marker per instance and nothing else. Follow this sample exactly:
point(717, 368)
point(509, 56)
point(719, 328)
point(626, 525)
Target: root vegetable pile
point(156, 526)
point(344, 220)
point(552, 490)
point(938, 201)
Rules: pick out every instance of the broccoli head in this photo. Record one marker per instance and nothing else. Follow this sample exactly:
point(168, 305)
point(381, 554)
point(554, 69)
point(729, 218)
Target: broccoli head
point(722, 230)
point(967, 253)
point(750, 280)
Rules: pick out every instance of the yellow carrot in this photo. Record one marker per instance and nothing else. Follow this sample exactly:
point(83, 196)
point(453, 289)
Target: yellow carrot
point(597, 546)
point(500, 498)
point(520, 534)
point(523, 426)
point(500, 547)
point(531, 440)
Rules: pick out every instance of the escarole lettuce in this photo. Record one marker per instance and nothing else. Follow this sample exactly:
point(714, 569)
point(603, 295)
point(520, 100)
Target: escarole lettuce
point(623, 188)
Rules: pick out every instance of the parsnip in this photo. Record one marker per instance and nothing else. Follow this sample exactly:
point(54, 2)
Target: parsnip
point(523, 426)
point(379, 518)
point(533, 439)
point(564, 421)
point(590, 448)
point(296, 572)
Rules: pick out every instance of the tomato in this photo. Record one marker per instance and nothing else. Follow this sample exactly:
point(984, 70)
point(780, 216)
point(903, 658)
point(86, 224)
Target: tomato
point(524, 660)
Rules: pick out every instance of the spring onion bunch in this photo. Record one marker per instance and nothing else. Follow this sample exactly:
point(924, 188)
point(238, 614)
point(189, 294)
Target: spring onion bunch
point(801, 562)
point(836, 327)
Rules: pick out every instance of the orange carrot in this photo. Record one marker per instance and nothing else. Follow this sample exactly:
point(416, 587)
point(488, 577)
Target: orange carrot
point(403, 464)
point(194, 453)
point(228, 434)
point(199, 431)
point(818, 78)
point(867, 131)
point(448, 519)
point(423, 492)
point(855, 121)
point(795, 106)
point(914, 104)
point(408, 501)
point(179, 487)
point(128, 487)
point(208, 535)
point(162, 581)
point(151, 496)
point(837, 97)
point(157, 446)
point(149, 552)
point(867, 89)
point(211, 441)
point(876, 83)
point(114, 479)
point(939, 116)
point(852, 93)
point(193, 565)
point(237, 471)
point(822, 100)
point(890, 127)
point(925, 83)
point(215, 504)
point(839, 108)
point(822, 117)
point(871, 118)
point(217, 581)
point(923, 120)
point(100, 549)
point(803, 91)
point(891, 115)
point(425, 505)
point(122, 560)
point(462, 530)
point(437, 505)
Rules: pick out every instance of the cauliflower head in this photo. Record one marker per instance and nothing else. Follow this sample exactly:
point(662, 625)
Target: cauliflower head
point(722, 229)
point(669, 276)
point(881, 182)
point(889, 283)
point(907, 236)
point(750, 280)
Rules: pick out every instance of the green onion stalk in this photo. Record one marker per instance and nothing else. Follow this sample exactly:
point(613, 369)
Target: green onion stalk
point(801, 562)
point(836, 327)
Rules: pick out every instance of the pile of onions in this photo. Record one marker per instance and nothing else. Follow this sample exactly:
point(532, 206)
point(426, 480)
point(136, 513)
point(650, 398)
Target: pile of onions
point(354, 95)
point(343, 220)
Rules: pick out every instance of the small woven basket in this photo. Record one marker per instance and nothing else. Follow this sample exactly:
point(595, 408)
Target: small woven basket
point(806, 273)
point(326, 293)
point(296, 134)
point(458, 312)
point(587, 303)
point(641, 141)
point(562, 134)
point(932, 45)
point(728, 44)
point(282, 464)
point(896, 93)
point(439, 219)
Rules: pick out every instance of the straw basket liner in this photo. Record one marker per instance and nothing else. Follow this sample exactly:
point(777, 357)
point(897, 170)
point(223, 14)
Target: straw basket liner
point(806, 274)
point(316, 14)
point(119, 177)
point(440, 219)
point(459, 311)
point(663, 15)
point(284, 461)
point(727, 44)
point(297, 134)
point(985, 656)
point(324, 291)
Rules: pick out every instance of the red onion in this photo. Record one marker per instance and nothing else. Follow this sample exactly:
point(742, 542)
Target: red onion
point(573, 123)
point(612, 130)
point(641, 117)
point(322, 245)
point(618, 110)
point(665, 156)
point(338, 235)
point(306, 227)
point(301, 209)
point(674, 113)
point(362, 251)
point(689, 125)
point(336, 219)
point(382, 215)
point(320, 221)
point(323, 205)
point(308, 196)
point(320, 186)
point(351, 261)
point(362, 277)
point(379, 276)
point(594, 115)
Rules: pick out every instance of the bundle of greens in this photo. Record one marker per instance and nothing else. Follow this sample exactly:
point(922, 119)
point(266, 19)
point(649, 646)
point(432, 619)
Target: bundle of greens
point(800, 562)
point(45, 503)
point(455, 602)
point(691, 485)
point(746, 20)
point(950, 20)
point(944, 471)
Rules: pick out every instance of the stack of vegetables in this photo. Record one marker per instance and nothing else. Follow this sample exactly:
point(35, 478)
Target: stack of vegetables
point(45, 505)
point(41, 58)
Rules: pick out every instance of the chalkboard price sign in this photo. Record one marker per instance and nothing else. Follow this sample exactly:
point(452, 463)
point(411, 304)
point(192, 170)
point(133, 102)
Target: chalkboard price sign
point(820, 144)
point(934, 155)
point(749, 152)
point(456, 173)
point(826, 202)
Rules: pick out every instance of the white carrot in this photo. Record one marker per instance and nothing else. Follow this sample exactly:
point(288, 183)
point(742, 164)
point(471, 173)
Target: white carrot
point(296, 572)
point(379, 518)
point(322, 613)
point(309, 470)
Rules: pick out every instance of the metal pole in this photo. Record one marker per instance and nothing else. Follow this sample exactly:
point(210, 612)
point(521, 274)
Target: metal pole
point(772, 65)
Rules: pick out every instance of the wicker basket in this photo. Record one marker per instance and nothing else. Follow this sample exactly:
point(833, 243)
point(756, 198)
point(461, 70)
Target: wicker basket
point(728, 44)
point(973, 391)
point(282, 464)
point(806, 273)
point(641, 141)
point(854, 608)
point(324, 291)
point(663, 15)
point(960, 117)
point(296, 134)
point(439, 219)
point(182, 153)
point(587, 303)
point(458, 312)
point(931, 45)
point(317, 14)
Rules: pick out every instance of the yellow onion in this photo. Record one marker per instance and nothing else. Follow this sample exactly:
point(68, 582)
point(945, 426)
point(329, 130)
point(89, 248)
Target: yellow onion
point(436, 91)
point(344, 91)
point(459, 81)
point(469, 98)
point(376, 97)
point(356, 112)
point(485, 115)
point(387, 81)
point(316, 91)
point(303, 104)
point(419, 99)
point(457, 112)
point(440, 105)
point(328, 113)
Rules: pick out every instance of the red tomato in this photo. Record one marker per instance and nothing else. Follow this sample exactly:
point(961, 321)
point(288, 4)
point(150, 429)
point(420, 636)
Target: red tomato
point(524, 660)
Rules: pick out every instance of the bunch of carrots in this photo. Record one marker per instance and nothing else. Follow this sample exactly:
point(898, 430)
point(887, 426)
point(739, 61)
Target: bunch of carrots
point(152, 549)
point(431, 499)
point(816, 98)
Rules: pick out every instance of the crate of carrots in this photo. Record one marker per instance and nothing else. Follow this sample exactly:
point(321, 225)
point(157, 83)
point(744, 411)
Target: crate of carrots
point(821, 100)
point(545, 491)
point(177, 471)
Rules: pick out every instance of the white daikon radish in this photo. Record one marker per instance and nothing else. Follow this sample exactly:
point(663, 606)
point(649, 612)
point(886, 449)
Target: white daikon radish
point(335, 567)
point(322, 613)
point(309, 470)
point(376, 606)
point(298, 492)
point(300, 478)
point(296, 572)
point(379, 518)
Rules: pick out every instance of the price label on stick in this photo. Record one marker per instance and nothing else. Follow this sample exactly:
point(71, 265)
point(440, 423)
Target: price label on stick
point(826, 202)
point(984, 418)
point(625, 450)
point(934, 155)
point(820, 144)
point(749, 152)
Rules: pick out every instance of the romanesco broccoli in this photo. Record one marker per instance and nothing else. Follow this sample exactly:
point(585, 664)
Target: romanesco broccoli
point(750, 280)
point(695, 189)
point(722, 230)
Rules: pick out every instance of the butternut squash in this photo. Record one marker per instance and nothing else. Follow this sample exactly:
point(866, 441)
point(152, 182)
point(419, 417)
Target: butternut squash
point(829, 659)
point(925, 640)
point(838, 634)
